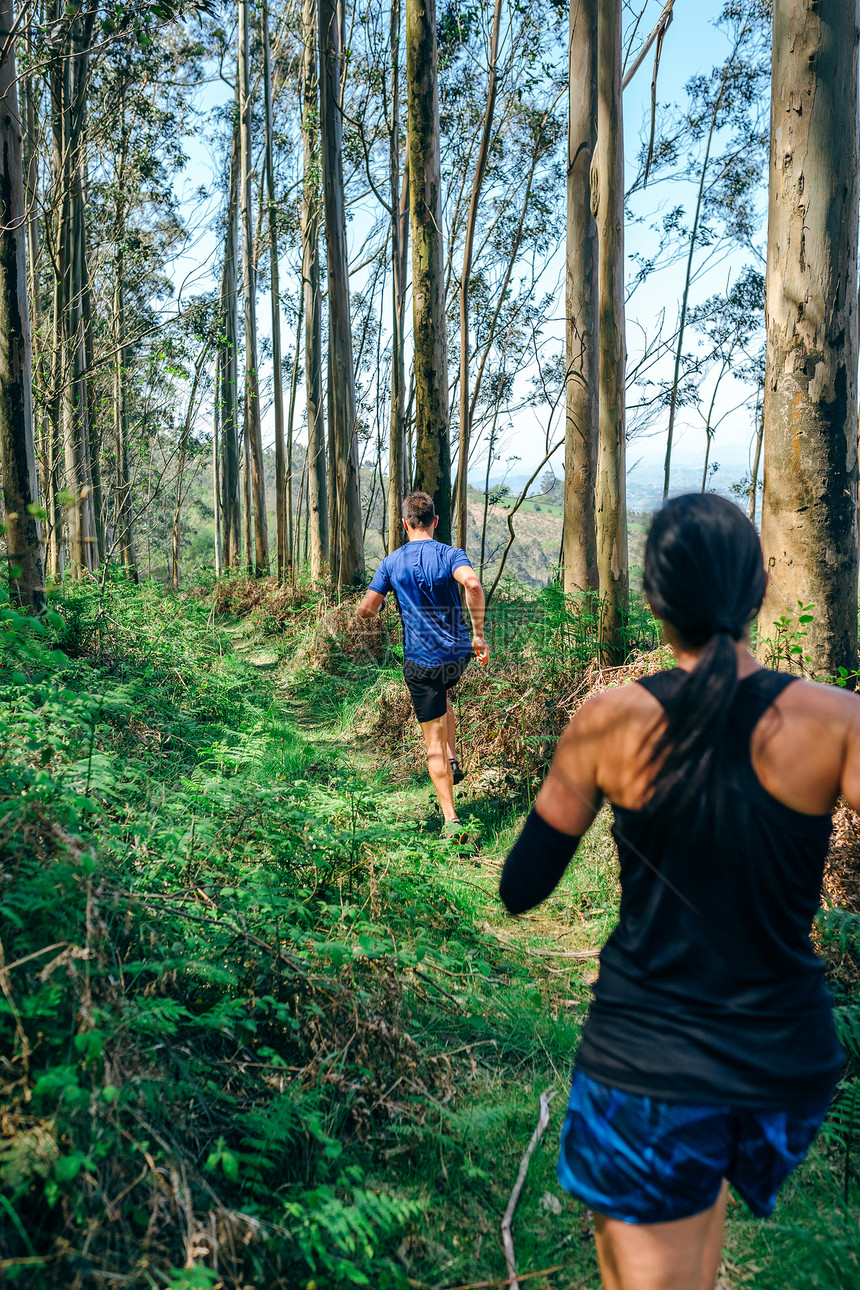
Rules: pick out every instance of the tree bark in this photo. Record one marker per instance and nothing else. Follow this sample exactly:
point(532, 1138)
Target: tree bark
point(283, 490)
point(43, 427)
point(88, 390)
point(216, 472)
point(248, 507)
point(752, 498)
point(291, 420)
point(809, 507)
point(611, 463)
point(430, 349)
point(347, 555)
point(399, 263)
point(252, 380)
point(318, 537)
point(465, 277)
point(229, 365)
point(17, 445)
point(124, 535)
point(579, 543)
point(180, 468)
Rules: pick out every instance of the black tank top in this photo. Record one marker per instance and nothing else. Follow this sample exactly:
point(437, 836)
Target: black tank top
point(709, 988)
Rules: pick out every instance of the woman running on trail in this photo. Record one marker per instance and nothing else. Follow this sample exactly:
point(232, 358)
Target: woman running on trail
point(709, 1054)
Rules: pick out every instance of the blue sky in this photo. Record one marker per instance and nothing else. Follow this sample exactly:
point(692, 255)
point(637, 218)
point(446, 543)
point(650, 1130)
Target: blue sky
point(693, 44)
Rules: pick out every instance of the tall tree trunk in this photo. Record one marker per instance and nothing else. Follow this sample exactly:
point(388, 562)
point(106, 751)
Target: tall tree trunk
point(809, 507)
point(123, 508)
point(180, 468)
point(229, 367)
point(399, 263)
point(56, 546)
point(252, 381)
point(249, 506)
point(348, 551)
point(685, 298)
point(216, 472)
point(84, 401)
point(579, 542)
point(283, 483)
point(465, 277)
point(753, 490)
point(89, 391)
point(611, 462)
point(318, 537)
point(123, 505)
point(430, 348)
point(291, 419)
point(69, 89)
point(17, 446)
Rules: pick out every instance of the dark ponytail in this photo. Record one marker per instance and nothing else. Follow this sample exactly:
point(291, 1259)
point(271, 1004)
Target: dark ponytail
point(703, 574)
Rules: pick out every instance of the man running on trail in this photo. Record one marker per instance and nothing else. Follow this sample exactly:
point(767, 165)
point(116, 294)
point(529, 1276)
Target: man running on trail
point(423, 574)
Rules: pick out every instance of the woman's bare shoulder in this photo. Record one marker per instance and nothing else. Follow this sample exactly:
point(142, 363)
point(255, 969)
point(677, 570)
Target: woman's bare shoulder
point(819, 700)
point(603, 711)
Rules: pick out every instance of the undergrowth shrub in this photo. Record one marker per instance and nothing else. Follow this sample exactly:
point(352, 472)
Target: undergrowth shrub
point(187, 1045)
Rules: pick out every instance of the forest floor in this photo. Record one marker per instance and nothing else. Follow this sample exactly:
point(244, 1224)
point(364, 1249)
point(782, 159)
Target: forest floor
point(266, 1028)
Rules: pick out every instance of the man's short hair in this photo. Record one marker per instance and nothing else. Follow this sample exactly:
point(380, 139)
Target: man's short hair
point(418, 510)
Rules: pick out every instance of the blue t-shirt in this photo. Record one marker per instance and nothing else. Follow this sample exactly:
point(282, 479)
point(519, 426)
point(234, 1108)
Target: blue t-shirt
point(421, 575)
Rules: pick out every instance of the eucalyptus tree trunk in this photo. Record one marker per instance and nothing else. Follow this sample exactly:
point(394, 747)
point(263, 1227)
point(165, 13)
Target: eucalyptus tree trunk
point(55, 238)
point(252, 381)
point(180, 468)
point(81, 300)
point(316, 529)
point(69, 84)
point(611, 520)
point(44, 434)
point(283, 482)
point(752, 497)
point(685, 297)
point(465, 277)
point(809, 507)
point(92, 402)
point(291, 420)
point(228, 359)
point(17, 446)
point(399, 262)
point(56, 547)
point(579, 543)
point(246, 484)
point(430, 348)
point(216, 471)
point(123, 509)
point(347, 554)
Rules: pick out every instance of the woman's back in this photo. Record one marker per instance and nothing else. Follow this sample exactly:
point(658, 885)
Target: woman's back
point(709, 1053)
point(709, 987)
point(805, 749)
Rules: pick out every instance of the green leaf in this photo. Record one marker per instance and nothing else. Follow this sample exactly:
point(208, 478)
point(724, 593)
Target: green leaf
point(67, 1168)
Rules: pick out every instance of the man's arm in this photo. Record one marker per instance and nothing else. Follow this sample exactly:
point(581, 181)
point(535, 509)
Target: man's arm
point(372, 603)
point(476, 605)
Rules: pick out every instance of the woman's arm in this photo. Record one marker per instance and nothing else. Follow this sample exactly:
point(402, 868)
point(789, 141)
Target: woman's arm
point(563, 811)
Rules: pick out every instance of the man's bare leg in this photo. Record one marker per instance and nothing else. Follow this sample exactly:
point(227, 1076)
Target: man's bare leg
point(452, 732)
point(436, 740)
point(680, 1255)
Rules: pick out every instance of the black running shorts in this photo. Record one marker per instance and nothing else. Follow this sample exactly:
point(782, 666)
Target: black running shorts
point(429, 686)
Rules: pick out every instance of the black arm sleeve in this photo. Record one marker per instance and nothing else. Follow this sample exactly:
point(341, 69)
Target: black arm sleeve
point(536, 864)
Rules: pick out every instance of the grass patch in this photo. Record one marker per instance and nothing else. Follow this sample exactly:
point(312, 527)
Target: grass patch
point(261, 1027)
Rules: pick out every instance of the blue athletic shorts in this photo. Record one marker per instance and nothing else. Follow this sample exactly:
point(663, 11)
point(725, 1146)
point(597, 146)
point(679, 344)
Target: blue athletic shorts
point(644, 1161)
